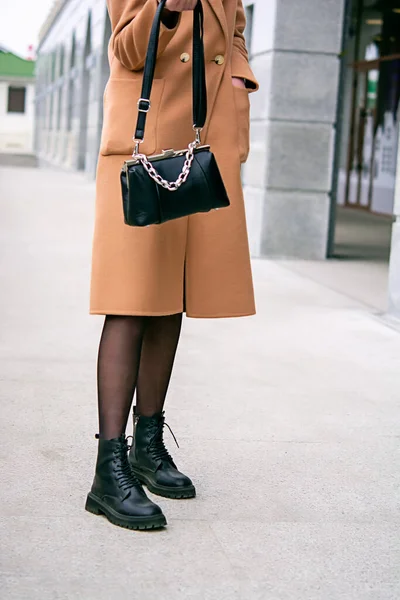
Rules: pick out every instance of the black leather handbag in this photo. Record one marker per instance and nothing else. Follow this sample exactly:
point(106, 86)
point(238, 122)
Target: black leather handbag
point(178, 183)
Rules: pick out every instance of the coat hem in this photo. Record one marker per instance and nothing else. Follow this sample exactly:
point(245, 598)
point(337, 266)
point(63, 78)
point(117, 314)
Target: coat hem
point(172, 312)
point(136, 313)
point(221, 315)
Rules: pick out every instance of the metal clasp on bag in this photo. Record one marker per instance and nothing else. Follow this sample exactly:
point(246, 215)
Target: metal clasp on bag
point(168, 153)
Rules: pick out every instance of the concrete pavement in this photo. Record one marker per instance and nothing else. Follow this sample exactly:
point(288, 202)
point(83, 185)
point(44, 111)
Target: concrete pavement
point(288, 423)
point(361, 269)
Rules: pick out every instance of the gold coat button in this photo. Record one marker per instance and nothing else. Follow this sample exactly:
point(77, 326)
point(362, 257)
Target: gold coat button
point(219, 59)
point(185, 57)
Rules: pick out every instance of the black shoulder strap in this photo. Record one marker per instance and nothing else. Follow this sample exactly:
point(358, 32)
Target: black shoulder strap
point(199, 72)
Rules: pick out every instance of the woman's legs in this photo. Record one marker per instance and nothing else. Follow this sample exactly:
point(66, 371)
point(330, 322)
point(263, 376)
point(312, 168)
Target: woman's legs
point(138, 353)
point(116, 492)
point(160, 342)
point(134, 351)
point(117, 370)
point(148, 456)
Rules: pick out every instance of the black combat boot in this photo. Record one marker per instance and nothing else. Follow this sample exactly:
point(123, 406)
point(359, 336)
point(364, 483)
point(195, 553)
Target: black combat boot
point(151, 461)
point(116, 492)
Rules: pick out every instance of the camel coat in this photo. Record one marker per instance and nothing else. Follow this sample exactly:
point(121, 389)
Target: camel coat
point(198, 264)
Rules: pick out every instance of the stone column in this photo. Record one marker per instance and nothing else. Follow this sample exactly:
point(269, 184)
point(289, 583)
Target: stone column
point(295, 50)
point(394, 266)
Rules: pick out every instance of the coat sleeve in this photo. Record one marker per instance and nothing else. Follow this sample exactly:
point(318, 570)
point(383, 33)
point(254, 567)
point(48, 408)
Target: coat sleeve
point(131, 22)
point(240, 57)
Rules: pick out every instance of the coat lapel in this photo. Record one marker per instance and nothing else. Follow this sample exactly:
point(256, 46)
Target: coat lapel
point(218, 8)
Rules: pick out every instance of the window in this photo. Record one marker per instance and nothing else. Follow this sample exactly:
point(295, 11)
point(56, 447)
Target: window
point(61, 67)
point(53, 66)
point(16, 99)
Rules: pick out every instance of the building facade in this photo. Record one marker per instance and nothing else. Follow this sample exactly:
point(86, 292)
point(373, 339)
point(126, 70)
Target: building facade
point(72, 70)
point(17, 95)
point(324, 126)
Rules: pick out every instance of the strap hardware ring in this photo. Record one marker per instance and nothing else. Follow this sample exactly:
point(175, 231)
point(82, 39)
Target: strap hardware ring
point(136, 142)
point(146, 107)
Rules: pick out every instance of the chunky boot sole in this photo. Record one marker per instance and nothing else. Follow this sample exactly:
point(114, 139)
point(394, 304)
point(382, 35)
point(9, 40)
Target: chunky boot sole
point(97, 507)
point(178, 493)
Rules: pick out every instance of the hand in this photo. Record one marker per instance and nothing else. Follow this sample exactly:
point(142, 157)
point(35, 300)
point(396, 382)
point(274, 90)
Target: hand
point(180, 5)
point(238, 82)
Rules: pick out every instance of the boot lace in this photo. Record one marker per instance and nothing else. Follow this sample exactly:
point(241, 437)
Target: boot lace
point(156, 445)
point(123, 472)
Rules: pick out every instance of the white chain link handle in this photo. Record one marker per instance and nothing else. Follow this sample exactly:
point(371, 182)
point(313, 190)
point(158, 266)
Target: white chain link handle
point(172, 186)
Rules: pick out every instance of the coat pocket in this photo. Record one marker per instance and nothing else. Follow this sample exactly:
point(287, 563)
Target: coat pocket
point(120, 116)
point(242, 103)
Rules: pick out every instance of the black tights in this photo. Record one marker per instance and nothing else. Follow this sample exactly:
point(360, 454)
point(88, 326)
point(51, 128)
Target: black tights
point(135, 353)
